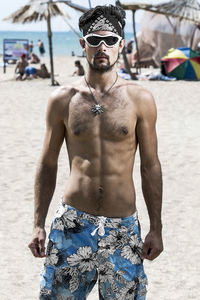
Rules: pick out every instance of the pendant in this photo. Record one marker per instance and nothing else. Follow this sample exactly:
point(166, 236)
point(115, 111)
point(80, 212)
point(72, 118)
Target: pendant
point(97, 109)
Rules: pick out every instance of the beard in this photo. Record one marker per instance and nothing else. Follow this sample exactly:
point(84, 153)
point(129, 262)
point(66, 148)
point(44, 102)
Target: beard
point(101, 68)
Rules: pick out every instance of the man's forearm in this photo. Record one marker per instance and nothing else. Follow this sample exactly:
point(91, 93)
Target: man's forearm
point(152, 191)
point(44, 188)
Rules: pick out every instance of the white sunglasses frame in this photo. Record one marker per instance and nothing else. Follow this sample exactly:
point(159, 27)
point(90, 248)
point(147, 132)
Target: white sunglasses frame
point(99, 35)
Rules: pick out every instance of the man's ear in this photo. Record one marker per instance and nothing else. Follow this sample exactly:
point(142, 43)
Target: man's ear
point(121, 45)
point(82, 43)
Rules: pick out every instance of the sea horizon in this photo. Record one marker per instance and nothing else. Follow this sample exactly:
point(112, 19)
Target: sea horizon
point(64, 42)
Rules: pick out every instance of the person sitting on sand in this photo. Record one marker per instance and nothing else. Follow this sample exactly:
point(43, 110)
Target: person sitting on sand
point(155, 76)
point(32, 72)
point(43, 72)
point(34, 59)
point(159, 75)
point(20, 67)
point(79, 69)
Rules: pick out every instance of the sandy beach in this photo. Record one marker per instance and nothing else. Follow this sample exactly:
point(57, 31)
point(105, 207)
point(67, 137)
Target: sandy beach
point(175, 275)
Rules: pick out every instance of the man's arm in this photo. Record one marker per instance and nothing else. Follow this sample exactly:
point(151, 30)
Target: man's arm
point(150, 173)
point(46, 173)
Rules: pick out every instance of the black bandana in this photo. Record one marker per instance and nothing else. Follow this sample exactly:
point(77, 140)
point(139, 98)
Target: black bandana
point(104, 23)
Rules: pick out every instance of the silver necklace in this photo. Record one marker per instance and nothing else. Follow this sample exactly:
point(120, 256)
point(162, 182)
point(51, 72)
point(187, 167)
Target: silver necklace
point(98, 108)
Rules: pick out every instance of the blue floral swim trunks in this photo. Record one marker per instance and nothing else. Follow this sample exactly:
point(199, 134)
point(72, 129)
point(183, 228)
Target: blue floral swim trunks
point(84, 249)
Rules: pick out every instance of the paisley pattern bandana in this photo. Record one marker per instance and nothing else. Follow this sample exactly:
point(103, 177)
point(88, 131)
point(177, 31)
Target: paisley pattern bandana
point(103, 23)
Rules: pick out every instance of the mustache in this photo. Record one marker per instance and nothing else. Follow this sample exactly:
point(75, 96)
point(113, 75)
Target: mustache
point(101, 54)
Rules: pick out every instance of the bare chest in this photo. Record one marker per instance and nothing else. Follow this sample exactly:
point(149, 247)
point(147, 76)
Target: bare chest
point(116, 122)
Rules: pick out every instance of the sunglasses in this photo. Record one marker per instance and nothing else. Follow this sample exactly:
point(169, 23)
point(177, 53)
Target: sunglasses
point(94, 40)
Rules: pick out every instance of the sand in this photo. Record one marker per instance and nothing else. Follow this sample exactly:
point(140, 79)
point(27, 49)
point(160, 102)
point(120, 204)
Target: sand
point(175, 274)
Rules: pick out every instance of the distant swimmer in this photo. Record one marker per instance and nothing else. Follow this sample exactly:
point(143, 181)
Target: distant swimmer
point(41, 47)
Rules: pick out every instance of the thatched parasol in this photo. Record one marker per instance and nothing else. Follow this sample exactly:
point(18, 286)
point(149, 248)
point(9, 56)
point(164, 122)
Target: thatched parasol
point(179, 9)
point(134, 5)
point(38, 10)
point(73, 5)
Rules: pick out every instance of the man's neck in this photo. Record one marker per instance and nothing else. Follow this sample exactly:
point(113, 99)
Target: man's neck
point(101, 81)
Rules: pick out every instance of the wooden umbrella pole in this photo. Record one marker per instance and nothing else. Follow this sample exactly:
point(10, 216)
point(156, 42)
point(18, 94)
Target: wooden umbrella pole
point(50, 47)
point(126, 64)
point(192, 37)
point(136, 44)
point(90, 6)
point(72, 28)
point(174, 27)
point(175, 33)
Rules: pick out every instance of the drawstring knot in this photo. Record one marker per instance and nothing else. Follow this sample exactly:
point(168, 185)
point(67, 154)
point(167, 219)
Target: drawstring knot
point(61, 210)
point(100, 227)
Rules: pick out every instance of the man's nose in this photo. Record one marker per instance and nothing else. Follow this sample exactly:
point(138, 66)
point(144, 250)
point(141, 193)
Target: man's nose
point(102, 47)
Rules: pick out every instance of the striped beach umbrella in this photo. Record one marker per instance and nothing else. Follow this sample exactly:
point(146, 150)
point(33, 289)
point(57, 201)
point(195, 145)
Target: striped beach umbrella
point(182, 63)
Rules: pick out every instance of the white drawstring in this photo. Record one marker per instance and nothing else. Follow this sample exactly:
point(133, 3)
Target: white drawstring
point(100, 220)
point(61, 210)
point(100, 227)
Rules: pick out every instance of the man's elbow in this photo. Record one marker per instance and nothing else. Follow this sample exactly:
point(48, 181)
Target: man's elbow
point(46, 163)
point(150, 166)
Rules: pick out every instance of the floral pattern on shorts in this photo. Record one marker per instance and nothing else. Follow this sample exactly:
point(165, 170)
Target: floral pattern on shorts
point(84, 248)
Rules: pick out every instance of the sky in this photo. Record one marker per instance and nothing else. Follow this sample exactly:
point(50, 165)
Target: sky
point(7, 7)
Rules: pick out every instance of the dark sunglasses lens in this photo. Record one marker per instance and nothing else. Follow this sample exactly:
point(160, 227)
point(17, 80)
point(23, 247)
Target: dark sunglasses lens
point(111, 40)
point(95, 40)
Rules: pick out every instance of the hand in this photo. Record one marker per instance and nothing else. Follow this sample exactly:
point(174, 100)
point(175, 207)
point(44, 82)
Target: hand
point(37, 242)
point(153, 245)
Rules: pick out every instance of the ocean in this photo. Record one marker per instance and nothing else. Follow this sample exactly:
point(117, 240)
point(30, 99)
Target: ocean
point(63, 42)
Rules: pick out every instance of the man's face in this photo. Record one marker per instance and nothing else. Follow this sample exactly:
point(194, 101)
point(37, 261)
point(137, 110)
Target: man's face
point(102, 58)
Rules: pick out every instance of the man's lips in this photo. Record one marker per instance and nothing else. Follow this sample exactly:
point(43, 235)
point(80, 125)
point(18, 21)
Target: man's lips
point(101, 57)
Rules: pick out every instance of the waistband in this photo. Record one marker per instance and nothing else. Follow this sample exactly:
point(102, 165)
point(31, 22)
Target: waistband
point(99, 221)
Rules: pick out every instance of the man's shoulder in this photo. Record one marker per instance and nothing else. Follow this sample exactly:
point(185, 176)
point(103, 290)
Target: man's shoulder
point(142, 99)
point(63, 92)
point(139, 94)
point(62, 96)
point(139, 91)
point(66, 92)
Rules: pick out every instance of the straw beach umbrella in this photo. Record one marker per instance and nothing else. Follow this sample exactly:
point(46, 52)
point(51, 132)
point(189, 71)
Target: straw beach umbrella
point(181, 10)
point(38, 10)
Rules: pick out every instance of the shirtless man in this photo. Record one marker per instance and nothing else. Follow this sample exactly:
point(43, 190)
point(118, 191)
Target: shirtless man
point(102, 119)
point(20, 67)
